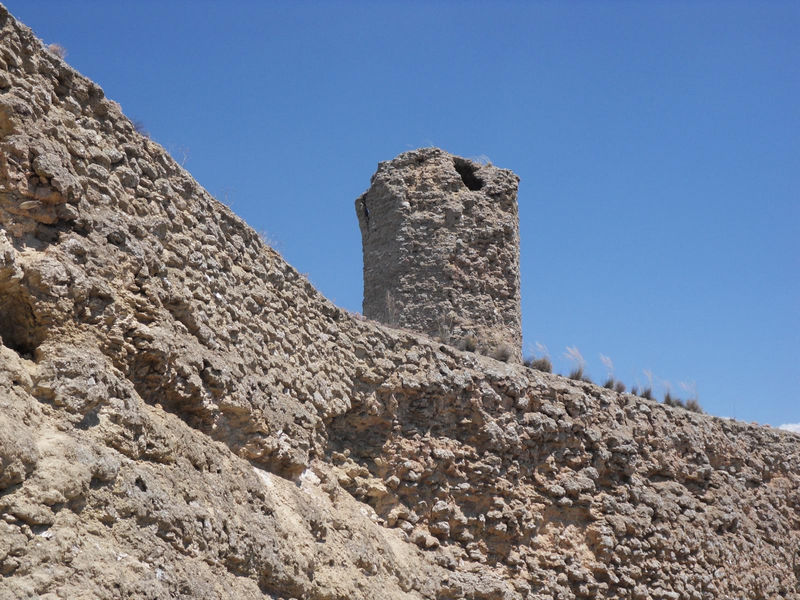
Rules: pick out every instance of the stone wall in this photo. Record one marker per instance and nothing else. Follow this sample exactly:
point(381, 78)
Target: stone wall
point(183, 416)
point(440, 237)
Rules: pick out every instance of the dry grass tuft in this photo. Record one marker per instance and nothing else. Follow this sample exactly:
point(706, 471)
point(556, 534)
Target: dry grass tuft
point(540, 364)
point(58, 50)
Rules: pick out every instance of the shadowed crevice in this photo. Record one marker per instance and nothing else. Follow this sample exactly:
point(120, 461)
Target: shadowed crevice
point(467, 170)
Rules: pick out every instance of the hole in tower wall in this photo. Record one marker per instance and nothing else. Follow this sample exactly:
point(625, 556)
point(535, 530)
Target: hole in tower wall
point(468, 169)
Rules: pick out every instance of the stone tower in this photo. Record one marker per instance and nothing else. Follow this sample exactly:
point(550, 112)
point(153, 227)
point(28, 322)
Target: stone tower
point(440, 238)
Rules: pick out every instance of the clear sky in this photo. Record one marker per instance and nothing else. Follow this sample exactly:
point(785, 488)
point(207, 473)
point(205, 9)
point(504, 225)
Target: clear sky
point(658, 145)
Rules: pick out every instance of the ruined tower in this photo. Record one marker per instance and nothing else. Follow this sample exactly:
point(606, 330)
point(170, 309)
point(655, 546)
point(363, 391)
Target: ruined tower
point(440, 238)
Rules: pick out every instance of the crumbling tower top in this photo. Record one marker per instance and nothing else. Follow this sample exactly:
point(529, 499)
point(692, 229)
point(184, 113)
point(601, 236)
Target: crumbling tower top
point(440, 239)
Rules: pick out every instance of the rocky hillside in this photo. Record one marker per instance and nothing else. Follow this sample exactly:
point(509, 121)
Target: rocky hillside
point(183, 416)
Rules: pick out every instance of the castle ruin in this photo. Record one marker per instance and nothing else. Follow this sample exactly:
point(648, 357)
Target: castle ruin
point(440, 239)
point(182, 415)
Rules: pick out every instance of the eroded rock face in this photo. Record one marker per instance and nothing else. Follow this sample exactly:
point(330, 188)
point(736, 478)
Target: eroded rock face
point(440, 236)
point(183, 416)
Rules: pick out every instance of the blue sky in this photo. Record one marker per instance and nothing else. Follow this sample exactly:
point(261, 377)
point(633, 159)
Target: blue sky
point(658, 145)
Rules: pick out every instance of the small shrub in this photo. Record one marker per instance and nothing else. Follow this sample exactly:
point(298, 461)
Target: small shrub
point(635, 391)
point(613, 384)
point(577, 374)
point(540, 364)
point(647, 393)
point(140, 128)
point(503, 353)
point(693, 405)
point(469, 343)
point(58, 50)
point(671, 400)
